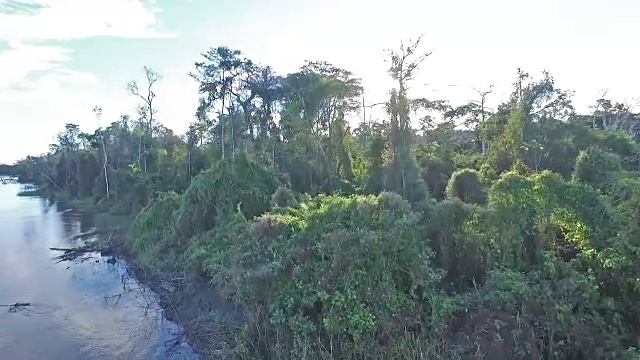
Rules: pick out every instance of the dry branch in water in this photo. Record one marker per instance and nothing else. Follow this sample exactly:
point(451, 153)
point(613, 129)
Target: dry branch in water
point(16, 306)
point(87, 234)
point(98, 246)
point(74, 253)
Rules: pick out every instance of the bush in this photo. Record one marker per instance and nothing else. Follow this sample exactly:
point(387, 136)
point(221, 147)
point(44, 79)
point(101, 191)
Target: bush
point(218, 192)
point(284, 197)
point(151, 231)
point(338, 273)
point(465, 185)
point(597, 168)
point(487, 175)
point(560, 307)
point(436, 171)
point(456, 247)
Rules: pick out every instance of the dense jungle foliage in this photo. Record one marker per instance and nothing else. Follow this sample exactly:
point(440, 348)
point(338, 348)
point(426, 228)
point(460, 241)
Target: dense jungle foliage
point(437, 231)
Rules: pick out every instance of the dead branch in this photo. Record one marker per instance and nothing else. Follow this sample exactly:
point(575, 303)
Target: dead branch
point(77, 252)
point(80, 250)
point(87, 234)
point(17, 306)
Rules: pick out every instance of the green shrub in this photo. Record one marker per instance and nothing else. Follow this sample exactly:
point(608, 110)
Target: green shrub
point(284, 197)
point(465, 185)
point(219, 191)
point(457, 248)
point(561, 307)
point(336, 275)
point(487, 175)
point(150, 235)
point(597, 168)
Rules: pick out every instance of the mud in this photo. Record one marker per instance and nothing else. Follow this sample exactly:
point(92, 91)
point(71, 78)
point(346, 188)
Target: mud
point(487, 334)
point(192, 302)
point(196, 305)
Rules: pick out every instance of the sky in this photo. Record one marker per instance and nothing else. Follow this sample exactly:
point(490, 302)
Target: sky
point(60, 58)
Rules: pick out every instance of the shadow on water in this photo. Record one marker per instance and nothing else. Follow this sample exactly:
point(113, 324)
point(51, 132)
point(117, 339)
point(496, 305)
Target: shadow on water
point(90, 308)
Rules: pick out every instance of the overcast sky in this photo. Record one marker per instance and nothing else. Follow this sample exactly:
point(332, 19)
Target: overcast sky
point(59, 58)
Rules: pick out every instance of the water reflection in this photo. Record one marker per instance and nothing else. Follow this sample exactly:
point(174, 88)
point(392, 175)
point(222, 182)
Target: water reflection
point(29, 231)
point(83, 310)
point(71, 223)
point(45, 206)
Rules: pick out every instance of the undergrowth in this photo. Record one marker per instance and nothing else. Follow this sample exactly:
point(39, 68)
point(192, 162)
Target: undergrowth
point(541, 271)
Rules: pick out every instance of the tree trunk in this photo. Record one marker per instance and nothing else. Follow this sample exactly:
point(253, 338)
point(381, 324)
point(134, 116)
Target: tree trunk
point(104, 165)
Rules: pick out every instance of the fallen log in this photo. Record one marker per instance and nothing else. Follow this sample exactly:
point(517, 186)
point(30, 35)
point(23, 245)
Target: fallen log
point(74, 253)
point(103, 246)
point(18, 304)
point(79, 249)
point(87, 234)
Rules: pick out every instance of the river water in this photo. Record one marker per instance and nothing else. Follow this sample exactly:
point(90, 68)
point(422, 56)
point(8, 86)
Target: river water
point(79, 310)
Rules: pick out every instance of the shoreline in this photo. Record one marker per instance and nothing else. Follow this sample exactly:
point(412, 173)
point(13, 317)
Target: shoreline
point(189, 300)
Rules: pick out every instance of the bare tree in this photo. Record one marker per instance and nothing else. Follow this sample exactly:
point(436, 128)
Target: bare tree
point(483, 96)
point(146, 111)
point(616, 116)
point(98, 113)
point(403, 64)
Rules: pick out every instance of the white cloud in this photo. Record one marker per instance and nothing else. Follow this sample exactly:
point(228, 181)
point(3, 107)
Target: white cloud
point(38, 95)
point(177, 98)
point(29, 119)
point(72, 19)
point(34, 109)
point(25, 59)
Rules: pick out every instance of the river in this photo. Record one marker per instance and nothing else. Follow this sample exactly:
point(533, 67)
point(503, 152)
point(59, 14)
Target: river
point(86, 310)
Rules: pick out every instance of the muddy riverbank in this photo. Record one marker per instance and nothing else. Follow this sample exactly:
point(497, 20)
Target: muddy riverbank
point(92, 307)
point(190, 301)
point(196, 306)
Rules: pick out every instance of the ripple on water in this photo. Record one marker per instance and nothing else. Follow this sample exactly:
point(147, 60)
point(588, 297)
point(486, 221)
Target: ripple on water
point(88, 310)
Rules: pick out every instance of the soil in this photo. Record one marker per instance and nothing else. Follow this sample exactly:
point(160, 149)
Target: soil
point(489, 334)
point(196, 305)
point(205, 316)
point(192, 302)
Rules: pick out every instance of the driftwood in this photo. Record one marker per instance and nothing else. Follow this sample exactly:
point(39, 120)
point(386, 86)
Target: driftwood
point(16, 306)
point(6, 181)
point(98, 246)
point(87, 234)
point(74, 253)
point(80, 249)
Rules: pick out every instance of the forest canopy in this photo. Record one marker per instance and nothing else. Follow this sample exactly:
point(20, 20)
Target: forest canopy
point(436, 231)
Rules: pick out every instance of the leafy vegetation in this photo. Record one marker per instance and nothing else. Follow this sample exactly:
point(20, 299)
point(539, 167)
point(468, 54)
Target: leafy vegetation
point(506, 234)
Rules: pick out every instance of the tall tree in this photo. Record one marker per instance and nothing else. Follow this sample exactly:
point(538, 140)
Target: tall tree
point(98, 113)
point(146, 111)
point(217, 76)
point(402, 172)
